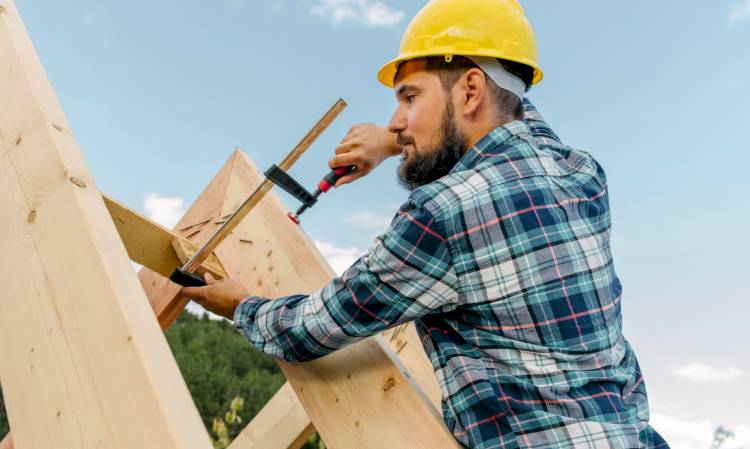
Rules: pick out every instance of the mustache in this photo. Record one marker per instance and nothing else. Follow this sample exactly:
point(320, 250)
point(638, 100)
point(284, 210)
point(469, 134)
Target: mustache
point(402, 140)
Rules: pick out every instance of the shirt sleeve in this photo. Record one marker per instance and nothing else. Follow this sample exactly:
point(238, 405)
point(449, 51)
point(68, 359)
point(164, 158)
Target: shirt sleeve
point(407, 273)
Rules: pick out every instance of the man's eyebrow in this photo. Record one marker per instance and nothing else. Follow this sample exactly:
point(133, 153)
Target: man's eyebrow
point(404, 87)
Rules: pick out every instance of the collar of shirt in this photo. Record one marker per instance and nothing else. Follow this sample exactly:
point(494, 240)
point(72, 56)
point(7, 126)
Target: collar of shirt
point(493, 143)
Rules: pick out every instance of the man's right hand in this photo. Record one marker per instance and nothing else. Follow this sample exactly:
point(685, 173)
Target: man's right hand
point(365, 146)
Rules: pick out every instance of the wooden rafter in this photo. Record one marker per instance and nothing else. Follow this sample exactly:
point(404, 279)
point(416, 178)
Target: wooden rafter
point(357, 397)
point(84, 362)
point(75, 312)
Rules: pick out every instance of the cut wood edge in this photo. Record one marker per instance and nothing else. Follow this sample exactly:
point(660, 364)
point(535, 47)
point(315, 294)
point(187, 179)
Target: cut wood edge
point(154, 246)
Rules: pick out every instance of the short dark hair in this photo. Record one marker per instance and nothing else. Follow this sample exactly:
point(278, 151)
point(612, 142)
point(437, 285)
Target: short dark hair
point(509, 106)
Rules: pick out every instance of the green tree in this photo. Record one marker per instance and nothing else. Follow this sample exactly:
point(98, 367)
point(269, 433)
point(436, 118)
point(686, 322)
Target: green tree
point(218, 365)
point(3, 417)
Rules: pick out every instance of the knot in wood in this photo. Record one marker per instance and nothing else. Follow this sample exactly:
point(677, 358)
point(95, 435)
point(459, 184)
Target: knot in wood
point(78, 181)
point(32, 216)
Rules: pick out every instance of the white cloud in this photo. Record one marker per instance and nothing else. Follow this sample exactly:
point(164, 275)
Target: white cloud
point(739, 12)
point(369, 13)
point(368, 220)
point(685, 434)
point(703, 374)
point(340, 258)
point(164, 210)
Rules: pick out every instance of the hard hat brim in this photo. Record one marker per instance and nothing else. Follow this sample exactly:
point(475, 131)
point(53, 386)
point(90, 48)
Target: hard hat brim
point(387, 74)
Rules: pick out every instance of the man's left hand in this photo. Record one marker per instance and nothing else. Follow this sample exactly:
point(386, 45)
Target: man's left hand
point(220, 297)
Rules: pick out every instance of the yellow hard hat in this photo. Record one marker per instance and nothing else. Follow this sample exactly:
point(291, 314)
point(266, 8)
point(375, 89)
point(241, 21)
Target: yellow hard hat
point(492, 28)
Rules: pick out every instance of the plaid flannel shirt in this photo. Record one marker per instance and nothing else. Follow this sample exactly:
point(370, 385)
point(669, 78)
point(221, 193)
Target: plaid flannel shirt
point(505, 266)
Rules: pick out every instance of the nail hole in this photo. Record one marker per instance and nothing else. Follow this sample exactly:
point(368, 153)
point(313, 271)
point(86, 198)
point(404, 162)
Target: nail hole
point(57, 127)
point(19, 140)
point(32, 216)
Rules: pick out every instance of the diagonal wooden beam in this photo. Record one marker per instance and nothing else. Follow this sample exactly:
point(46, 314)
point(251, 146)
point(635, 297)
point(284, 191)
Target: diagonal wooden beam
point(290, 419)
point(84, 362)
point(362, 396)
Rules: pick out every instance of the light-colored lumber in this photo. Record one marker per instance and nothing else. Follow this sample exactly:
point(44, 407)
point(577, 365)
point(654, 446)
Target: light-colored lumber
point(283, 426)
point(405, 343)
point(154, 246)
point(84, 363)
point(359, 396)
point(251, 200)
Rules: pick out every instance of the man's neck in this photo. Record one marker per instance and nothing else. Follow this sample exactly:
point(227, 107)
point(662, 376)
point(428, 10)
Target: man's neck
point(478, 131)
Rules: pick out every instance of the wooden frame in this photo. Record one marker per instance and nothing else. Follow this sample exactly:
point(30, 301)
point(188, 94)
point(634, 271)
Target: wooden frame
point(84, 361)
point(81, 344)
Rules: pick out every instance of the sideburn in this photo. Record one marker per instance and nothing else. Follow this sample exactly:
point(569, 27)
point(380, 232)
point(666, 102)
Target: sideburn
point(430, 164)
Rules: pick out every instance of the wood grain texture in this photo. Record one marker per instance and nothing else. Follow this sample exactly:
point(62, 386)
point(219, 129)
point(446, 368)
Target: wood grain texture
point(251, 200)
point(361, 396)
point(154, 246)
point(84, 363)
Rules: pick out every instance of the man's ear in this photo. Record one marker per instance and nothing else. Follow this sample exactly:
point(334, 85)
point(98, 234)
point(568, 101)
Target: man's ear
point(474, 90)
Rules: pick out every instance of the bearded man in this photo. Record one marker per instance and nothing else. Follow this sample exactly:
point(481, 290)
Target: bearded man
point(500, 255)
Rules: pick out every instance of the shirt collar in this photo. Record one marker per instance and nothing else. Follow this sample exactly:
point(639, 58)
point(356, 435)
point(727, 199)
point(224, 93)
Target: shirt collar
point(492, 144)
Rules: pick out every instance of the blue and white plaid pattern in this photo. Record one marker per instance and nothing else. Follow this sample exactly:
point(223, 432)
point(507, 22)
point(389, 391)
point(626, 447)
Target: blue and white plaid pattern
point(505, 266)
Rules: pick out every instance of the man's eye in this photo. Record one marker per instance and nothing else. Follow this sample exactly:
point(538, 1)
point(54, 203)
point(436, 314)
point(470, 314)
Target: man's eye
point(410, 97)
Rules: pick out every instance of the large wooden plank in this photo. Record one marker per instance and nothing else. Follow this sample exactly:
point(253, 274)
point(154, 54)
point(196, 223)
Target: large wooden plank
point(360, 396)
point(288, 414)
point(84, 362)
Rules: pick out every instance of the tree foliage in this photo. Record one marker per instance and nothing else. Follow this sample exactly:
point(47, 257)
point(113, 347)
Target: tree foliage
point(219, 365)
point(3, 417)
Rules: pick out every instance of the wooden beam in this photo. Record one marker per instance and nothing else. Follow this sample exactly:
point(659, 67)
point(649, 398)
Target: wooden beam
point(262, 190)
point(84, 362)
point(289, 412)
point(154, 246)
point(362, 396)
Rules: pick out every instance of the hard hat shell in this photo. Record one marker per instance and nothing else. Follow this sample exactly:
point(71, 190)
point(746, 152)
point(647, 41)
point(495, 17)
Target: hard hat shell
point(494, 28)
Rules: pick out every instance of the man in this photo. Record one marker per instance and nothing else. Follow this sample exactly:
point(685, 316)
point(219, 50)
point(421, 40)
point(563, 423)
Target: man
point(500, 255)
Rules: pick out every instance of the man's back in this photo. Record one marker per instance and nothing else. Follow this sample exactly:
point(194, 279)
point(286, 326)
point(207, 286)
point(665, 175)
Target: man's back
point(532, 352)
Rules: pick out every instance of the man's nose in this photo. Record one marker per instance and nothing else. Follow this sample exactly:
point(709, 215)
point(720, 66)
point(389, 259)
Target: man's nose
point(398, 121)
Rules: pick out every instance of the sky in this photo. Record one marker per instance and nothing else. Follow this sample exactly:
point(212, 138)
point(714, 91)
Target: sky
point(159, 94)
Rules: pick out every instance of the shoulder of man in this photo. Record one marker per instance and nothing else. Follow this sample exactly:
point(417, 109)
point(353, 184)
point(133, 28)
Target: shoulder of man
point(460, 190)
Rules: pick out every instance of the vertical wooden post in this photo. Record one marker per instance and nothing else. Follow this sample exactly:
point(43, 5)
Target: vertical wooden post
point(84, 362)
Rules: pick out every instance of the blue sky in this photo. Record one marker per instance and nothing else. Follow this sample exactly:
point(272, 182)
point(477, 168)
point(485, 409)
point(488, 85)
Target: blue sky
point(160, 93)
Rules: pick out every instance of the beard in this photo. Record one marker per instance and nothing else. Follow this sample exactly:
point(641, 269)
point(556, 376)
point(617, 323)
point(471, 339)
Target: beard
point(436, 160)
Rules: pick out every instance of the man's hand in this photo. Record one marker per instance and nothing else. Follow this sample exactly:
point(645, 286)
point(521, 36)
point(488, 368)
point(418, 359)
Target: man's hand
point(365, 146)
point(220, 297)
